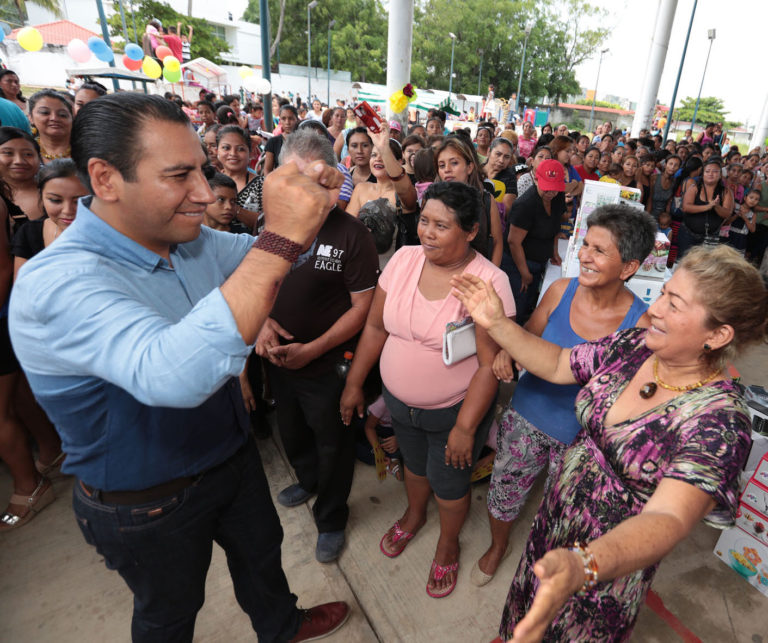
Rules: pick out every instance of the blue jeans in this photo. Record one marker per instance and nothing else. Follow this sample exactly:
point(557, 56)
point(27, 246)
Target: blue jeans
point(162, 549)
point(525, 301)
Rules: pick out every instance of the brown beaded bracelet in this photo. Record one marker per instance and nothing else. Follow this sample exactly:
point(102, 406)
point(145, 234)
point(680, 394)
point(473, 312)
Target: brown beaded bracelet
point(590, 566)
point(278, 245)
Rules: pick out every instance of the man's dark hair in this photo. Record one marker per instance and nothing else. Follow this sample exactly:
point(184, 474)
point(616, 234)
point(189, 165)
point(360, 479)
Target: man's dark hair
point(462, 199)
point(109, 129)
point(219, 180)
point(206, 103)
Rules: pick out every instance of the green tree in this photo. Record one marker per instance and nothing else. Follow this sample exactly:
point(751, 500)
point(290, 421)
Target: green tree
point(598, 103)
point(358, 42)
point(558, 42)
point(711, 110)
point(15, 11)
point(204, 42)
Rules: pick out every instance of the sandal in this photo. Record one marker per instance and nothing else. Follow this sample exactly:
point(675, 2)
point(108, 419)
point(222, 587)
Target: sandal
point(438, 572)
point(397, 536)
point(50, 470)
point(34, 503)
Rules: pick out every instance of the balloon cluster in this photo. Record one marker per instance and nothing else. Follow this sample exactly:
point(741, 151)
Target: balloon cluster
point(254, 83)
point(400, 99)
point(81, 52)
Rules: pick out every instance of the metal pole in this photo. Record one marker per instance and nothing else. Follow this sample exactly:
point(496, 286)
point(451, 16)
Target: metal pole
point(105, 33)
point(310, 6)
point(696, 109)
point(266, 70)
point(679, 73)
point(450, 78)
point(594, 96)
point(135, 31)
point(127, 40)
point(522, 65)
point(399, 45)
point(330, 27)
point(480, 73)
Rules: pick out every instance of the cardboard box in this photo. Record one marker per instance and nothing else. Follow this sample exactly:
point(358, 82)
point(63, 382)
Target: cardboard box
point(746, 556)
point(753, 522)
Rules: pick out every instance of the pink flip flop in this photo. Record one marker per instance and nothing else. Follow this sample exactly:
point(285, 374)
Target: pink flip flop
point(397, 536)
point(438, 572)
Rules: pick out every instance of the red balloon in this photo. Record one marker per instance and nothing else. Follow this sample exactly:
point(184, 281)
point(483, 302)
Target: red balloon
point(162, 51)
point(133, 65)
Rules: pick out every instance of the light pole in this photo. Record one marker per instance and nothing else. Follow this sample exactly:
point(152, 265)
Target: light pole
point(711, 36)
point(679, 73)
point(330, 26)
point(450, 79)
point(528, 29)
point(594, 96)
point(480, 73)
point(310, 6)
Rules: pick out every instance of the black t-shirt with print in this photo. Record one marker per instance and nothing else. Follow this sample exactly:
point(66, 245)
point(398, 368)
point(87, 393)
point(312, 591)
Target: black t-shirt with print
point(316, 292)
point(528, 213)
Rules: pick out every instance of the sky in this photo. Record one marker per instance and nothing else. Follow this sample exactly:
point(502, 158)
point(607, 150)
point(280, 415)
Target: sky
point(735, 71)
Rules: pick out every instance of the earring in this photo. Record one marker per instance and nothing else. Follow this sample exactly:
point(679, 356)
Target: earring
point(707, 348)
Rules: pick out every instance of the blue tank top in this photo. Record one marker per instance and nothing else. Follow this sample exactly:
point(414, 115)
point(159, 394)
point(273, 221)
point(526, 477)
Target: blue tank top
point(550, 407)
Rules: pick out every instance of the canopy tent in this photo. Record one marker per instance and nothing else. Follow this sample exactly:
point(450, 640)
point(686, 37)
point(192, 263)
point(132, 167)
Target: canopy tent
point(205, 74)
point(111, 72)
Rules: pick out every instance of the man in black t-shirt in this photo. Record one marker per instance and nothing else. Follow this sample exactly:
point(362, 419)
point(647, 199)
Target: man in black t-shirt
point(318, 314)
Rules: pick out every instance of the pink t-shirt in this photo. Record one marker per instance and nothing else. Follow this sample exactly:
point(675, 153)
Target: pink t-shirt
point(411, 363)
point(525, 146)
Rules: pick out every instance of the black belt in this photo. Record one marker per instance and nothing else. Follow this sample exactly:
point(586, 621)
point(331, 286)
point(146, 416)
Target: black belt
point(158, 491)
point(142, 495)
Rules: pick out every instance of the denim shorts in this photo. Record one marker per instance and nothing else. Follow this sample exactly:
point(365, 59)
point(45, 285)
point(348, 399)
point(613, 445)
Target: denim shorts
point(422, 435)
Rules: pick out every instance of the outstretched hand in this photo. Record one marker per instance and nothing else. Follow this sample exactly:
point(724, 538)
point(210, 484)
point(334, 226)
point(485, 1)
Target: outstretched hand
point(560, 574)
point(479, 298)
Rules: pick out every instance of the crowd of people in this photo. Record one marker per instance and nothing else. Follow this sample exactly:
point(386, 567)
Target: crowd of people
point(199, 276)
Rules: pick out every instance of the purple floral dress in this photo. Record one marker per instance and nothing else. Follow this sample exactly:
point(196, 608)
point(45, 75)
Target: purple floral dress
point(701, 437)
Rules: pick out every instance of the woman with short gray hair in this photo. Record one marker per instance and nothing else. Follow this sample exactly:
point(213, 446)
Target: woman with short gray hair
point(540, 422)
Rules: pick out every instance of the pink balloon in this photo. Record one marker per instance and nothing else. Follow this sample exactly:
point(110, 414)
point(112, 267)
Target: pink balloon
point(133, 65)
point(78, 51)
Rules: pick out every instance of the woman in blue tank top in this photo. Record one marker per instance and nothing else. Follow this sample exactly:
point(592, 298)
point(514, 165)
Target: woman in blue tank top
point(540, 422)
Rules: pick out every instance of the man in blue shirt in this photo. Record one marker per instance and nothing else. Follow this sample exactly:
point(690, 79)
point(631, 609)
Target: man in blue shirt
point(132, 328)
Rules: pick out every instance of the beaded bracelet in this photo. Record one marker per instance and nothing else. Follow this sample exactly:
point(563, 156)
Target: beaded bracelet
point(278, 245)
point(590, 566)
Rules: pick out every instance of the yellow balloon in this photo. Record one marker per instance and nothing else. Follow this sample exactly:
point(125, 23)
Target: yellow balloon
point(151, 68)
point(245, 72)
point(171, 63)
point(30, 39)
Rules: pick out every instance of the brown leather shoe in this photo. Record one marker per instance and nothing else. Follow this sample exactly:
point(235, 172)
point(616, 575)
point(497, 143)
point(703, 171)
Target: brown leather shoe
point(320, 621)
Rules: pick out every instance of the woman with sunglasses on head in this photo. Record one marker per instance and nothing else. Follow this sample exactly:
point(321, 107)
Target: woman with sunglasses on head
point(51, 115)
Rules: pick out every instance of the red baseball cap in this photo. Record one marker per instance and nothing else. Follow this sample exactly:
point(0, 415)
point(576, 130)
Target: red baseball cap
point(550, 176)
point(395, 125)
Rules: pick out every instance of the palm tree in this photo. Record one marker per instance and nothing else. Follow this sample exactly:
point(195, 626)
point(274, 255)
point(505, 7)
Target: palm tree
point(20, 7)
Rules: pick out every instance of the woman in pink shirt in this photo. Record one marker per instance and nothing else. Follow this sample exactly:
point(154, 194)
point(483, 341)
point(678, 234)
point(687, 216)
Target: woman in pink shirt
point(441, 414)
point(527, 141)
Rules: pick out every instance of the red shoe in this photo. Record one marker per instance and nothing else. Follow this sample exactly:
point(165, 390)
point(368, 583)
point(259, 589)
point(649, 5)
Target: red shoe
point(322, 620)
point(398, 536)
point(438, 572)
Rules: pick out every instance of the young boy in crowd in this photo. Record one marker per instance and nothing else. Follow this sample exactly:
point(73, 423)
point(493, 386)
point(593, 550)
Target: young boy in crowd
point(380, 435)
point(220, 215)
point(665, 224)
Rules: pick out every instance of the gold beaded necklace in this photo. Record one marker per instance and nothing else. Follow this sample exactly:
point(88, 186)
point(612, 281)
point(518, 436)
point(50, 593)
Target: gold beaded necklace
point(50, 157)
point(648, 390)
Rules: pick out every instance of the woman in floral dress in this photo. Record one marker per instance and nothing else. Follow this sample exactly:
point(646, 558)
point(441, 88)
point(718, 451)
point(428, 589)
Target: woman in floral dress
point(665, 434)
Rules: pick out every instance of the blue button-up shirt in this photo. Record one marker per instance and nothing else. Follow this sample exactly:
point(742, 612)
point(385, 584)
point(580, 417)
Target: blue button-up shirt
point(134, 359)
